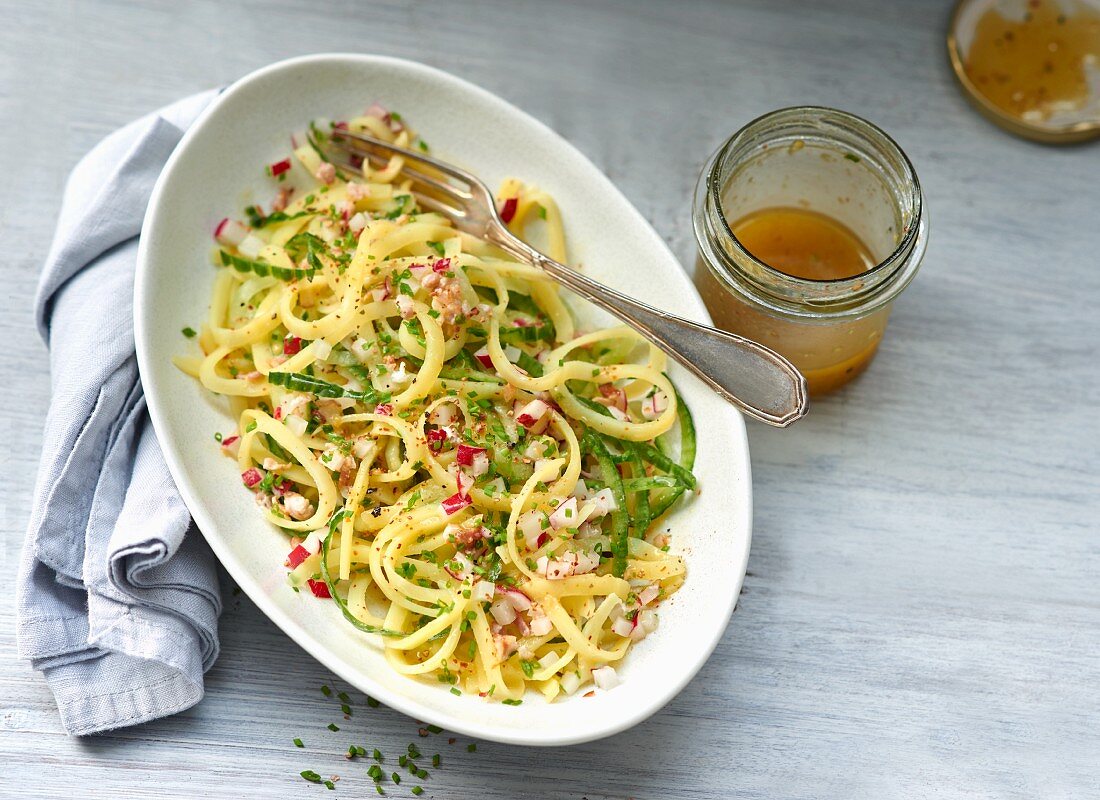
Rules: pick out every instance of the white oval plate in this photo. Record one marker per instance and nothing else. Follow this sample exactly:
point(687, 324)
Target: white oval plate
point(219, 161)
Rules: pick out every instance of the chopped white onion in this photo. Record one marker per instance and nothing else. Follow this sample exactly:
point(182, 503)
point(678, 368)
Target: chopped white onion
point(541, 625)
point(623, 626)
point(295, 424)
point(530, 525)
point(482, 591)
point(605, 677)
point(649, 594)
point(604, 500)
point(358, 222)
point(570, 682)
point(518, 599)
point(321, 348)
point(547, 659)
point(502, 611)
point(250, 246)
point(565, 515)
point(580, 491)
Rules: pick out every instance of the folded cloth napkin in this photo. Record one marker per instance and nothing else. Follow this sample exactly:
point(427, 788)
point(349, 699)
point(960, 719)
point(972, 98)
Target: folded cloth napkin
point(118, 593)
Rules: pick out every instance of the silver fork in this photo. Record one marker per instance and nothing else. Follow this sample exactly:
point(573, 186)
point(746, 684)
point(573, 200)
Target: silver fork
point(756, 379)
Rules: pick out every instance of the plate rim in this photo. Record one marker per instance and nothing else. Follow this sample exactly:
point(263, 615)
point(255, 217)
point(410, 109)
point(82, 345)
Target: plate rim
point(251, 584)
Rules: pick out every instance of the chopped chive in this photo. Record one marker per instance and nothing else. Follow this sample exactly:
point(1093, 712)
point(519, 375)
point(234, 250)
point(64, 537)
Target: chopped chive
point(298, 743)
point(510, 702)
point(343, 696)
point(310, 776)
point(414, 751)
point(403, 759)
point(332, 726)
point(330, 785)
point(422, 774)
point(217, 437)
point(852, 157)
point(455, 690)
point(435, 729)
point(372, 702)
point(542, 212)
point(375, 772)
point(471, 748)
point(377, 755)
point(188, 332)
point(436, 760)
point(345, 708)
point(418, 790)
point(378, 788)
point(395, 778)
point(327, 692)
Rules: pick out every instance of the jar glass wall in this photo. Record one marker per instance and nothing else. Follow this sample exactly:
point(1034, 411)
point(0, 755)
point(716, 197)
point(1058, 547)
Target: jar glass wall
point(836, 165)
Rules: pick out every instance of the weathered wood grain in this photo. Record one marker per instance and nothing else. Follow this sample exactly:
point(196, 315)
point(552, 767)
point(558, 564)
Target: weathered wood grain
point(922, 613)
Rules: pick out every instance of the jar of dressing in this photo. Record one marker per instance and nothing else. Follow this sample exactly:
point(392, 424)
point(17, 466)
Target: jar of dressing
point(810, 222)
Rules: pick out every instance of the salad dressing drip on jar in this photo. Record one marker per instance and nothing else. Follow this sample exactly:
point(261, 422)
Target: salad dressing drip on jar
point(810, 222)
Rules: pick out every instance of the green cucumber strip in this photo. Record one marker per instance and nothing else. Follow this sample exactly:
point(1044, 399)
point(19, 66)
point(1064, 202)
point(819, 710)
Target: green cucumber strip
point(620, 522)
point(331, 584)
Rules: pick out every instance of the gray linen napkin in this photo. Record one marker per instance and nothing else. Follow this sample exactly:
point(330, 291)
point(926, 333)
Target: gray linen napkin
point(118, 593)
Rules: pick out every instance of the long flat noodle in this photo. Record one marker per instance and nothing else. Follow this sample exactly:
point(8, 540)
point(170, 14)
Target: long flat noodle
point(416, 409)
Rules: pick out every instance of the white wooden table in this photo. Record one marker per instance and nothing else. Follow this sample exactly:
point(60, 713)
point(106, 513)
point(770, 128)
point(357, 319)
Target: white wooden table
point(921, 616)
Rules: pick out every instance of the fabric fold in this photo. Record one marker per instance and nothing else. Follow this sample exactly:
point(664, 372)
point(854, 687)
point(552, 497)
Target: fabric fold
point(118, 594)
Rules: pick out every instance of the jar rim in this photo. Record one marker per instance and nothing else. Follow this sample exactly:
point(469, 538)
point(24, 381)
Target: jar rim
point(905, 244)
point(870, 282)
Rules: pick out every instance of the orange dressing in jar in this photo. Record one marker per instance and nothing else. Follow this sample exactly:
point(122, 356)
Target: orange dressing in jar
point(809, 223)
point(1035, 66)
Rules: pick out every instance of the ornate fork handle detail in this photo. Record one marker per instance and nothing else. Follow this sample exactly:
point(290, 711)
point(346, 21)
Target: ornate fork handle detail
point(759, 381)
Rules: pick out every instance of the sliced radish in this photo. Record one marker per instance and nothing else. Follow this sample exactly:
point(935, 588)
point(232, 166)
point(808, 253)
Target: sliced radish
point(297, 556)
point(291, 345)
point(654, 405)
point(649, 594)
point(466, 454)
point(230, 232)
point(483, 356)
point(278, 168)
point(565, 515)
point(251, 246)
point(455, 503)
point(532, 524)
point(319, 588)
point(508, 210)
point(441, 265)
point(531, 413)
point(251, 477)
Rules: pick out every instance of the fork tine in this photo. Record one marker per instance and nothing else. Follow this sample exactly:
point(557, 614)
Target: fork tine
point(417, 175)
point(422, 189)
point(366, 143)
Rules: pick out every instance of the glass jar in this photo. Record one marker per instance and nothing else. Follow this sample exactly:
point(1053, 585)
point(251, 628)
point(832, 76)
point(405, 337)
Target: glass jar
point(835, 164)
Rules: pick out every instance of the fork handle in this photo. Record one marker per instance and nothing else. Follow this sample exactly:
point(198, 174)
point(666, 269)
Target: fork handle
point(755, 378)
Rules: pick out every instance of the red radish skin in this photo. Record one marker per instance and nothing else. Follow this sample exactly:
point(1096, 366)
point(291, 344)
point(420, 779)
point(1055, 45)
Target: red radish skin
point(279, 167)
point(292, 345)
point(508, 210)
point(251, 477)
point(297, 556)
point(455, 503)
point(319, 588)
point(466, 454)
